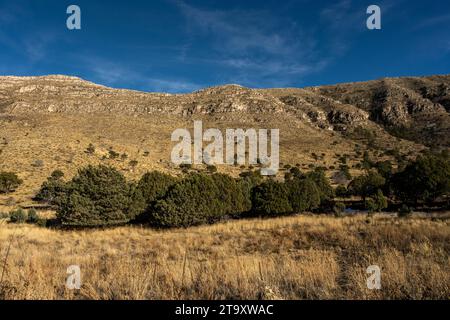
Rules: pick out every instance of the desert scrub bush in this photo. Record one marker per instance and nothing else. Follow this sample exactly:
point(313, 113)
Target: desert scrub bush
point(113, 154)
point(381, 201)
point(42, 222)
point(370, 205)
point(338, 209)
point(270, 198)
point(18, 216)
point(90, 149)
point(133, 163)
point(32, 216)
point(9, 182)
point(198, 199)
point(57, 174)
point(295, 172)
point(4, 215)
point(96, 196)
point(38, 163)
point(377, 202)
point(404, 211)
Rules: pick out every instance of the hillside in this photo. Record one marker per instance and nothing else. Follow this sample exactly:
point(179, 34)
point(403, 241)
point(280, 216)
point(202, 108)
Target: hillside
point(48, 122)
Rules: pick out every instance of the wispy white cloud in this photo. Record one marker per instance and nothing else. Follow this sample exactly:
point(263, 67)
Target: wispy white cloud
point(172, 86)
point(34, 43)
point(37, 44)
point(433, 21)
point(344, 20)
point(115, 74)
point(256, 44)
point(109, 73)
point(11, 12)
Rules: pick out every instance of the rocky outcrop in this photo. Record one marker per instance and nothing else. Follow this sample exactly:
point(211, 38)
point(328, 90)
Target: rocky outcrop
point(347, 117)
point(421, 104)
point(394, 105)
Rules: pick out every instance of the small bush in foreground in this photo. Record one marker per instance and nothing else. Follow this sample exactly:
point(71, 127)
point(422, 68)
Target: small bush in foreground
point(18, 216)
point(32, 216)
point(4, 215)
point(404, 211)
point(338, 209)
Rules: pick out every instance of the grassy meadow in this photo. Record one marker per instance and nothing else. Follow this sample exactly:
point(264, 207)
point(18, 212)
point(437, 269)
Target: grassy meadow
point(297, 257)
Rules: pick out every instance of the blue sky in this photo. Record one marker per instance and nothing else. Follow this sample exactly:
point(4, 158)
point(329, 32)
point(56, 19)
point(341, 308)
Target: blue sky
point(181, 45)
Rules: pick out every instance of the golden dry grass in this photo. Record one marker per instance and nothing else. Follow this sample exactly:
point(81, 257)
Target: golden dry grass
point(300, 257)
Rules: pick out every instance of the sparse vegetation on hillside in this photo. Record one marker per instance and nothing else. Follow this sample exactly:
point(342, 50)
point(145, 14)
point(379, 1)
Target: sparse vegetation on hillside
point(95, 119)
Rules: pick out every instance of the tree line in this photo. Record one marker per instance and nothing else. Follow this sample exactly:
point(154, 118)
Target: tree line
point(101, 195)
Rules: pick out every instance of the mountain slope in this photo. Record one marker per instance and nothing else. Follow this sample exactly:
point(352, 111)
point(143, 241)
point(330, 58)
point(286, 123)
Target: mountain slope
point(47, 123)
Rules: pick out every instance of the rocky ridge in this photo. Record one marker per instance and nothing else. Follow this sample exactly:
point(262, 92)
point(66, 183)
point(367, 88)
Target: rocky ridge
point(418, 107)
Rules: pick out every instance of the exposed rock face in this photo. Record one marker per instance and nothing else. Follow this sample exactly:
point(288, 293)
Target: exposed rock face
point(349, 117)
point(421, 104)
point(394, 105)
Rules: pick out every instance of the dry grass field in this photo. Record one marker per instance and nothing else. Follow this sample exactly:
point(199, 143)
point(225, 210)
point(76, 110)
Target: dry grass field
point(299, 257)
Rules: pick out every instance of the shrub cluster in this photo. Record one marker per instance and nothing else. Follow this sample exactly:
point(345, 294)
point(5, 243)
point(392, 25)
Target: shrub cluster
point(424, 181)
point(101, 196)
point(21, 216)
point(198, 199)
